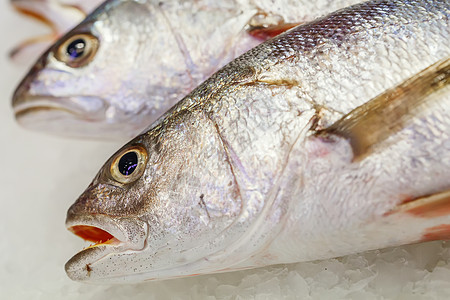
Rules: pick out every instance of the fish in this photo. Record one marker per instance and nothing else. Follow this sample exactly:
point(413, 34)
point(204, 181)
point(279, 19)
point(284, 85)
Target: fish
point(136, 59)
point(329, 139)
point(59, 16)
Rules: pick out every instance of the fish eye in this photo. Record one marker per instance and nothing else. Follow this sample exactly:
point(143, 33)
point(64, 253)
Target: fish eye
point(129, 164)
point(77, 50)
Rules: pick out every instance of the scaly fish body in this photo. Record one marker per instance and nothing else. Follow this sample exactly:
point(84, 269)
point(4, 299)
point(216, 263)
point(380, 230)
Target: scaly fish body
point(61, 15)
point(139, 58)
point(330, 139)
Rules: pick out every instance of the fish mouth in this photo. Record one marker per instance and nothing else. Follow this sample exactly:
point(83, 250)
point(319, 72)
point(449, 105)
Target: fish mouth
point(94, 234)
point(109, 235)
point(74, 116)
point(90, 107)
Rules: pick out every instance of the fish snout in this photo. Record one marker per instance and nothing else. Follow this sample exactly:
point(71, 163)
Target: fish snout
point(105, 199)
point(99, 215)
point(96, 217)
point(110, 235)
point(22, 92)
point(127, 232)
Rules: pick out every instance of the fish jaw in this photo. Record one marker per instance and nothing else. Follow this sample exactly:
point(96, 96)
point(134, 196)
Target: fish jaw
point(127, 256)
point(59, 115)
point(110, 235)
point(123, 252)
point(70, 116)
point(39, 103)
point(45, 101)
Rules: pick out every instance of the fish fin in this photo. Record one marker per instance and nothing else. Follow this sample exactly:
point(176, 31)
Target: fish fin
point(430, 206)
point(31, 48)
point(59, 18)
point(264, 33)
point(436, 233)
point(388, 113)
point(434, 208)
point(35, 15)
point(264, 26)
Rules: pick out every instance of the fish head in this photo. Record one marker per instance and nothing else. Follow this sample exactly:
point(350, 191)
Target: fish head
point(101, 79)
point(166, 205)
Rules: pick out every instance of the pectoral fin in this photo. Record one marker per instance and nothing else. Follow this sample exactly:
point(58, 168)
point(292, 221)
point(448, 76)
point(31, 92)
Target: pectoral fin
point(388, 113)
point(431, 208)
point(31, 47)
point(264, 26)
point(266, 32)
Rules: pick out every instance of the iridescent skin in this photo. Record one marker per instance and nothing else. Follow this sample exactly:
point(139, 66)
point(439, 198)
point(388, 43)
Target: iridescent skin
point(236, 176)
point(150, 55)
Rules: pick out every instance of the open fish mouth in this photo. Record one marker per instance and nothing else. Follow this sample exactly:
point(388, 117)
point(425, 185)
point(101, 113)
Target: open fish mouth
point(109, 235)
point(94, 234)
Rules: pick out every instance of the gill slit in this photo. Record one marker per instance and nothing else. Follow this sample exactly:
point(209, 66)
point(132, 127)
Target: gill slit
point(227, 147)
point(181, 46)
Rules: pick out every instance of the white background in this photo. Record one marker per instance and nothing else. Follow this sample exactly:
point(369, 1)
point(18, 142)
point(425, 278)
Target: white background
point(41, 176)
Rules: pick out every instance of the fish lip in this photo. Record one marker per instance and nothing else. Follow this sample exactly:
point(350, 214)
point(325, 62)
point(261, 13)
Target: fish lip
point(129, 234)
point(24, 104)
point(68, 117)
point(78, 267)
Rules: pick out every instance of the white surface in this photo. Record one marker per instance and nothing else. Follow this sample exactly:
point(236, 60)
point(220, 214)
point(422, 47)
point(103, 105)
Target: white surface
point(41, 177)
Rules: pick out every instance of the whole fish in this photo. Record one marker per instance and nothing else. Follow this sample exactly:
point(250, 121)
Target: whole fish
point(130, 61)
point(330, 139)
